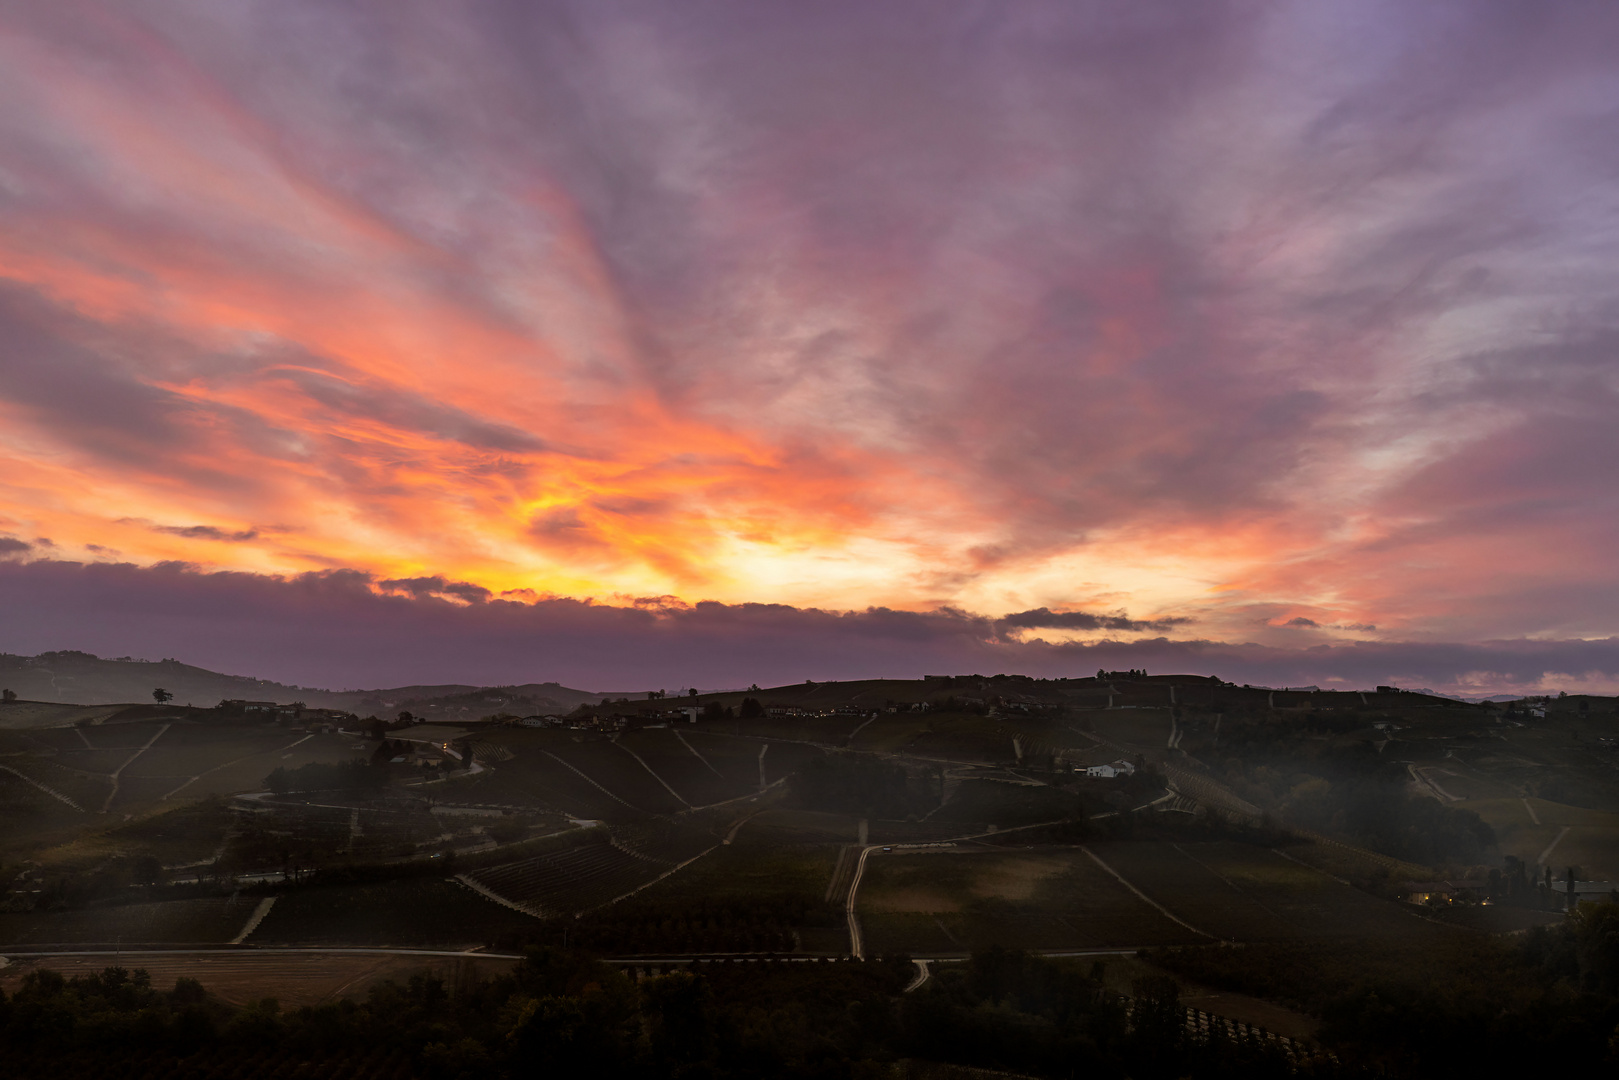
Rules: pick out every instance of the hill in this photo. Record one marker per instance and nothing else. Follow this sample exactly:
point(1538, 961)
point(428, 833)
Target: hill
point(80, 678)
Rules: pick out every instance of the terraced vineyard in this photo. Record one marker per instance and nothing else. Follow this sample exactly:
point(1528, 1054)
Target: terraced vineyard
point(736, 760)
point(668, 842)
point(571, 881)
point(617, 771)
point(677, 764)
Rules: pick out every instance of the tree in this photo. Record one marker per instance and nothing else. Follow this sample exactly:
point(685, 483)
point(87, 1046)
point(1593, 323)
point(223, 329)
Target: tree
point(161, 695)
point(8, 696)
point(692, 692)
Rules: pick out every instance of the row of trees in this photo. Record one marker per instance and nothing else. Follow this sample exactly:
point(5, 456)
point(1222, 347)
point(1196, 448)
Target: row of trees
point(560, 1013)
point(1452, 1005)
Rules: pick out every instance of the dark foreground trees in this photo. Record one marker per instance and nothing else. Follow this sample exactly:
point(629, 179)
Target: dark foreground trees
point(564, 1014)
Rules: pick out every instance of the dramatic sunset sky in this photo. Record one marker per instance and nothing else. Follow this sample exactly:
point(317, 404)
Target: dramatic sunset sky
point(646, 343)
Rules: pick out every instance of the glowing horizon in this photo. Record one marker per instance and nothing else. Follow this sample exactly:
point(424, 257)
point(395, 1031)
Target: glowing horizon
point(1252, 320)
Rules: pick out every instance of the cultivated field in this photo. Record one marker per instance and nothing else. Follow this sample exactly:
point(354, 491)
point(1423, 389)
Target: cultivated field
point(569, 881)
point(1137, 729)
point(419, 913)
point(1565, 835)
point(951, 901)
point(1005, 804)
point(960, 737)
point(737, 760)
point(211, 920)
point(26, 715)
point(676, 762)
point(538, 776)
point(1058, 898)
point(765, 891)
point(616, 769)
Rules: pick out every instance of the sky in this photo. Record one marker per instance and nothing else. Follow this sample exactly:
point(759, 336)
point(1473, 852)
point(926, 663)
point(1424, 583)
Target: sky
point(625, 342)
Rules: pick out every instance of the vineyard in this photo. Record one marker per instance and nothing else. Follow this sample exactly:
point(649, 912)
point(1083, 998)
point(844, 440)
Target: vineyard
point(423, 913)
point(552, 773)
point(736, 760)
point(677, 764)
point(211, 920)
point(570, 881)
point(616, 770)
point(995, 802)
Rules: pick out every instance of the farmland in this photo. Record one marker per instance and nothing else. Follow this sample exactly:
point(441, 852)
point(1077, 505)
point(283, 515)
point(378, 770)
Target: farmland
point(420, 913)
point(953, 900)
point(697, 781)
point(1564, 835)
point(1003, 804)
point(762, 868)
point(736, 760)
point(569, 881)
point(211, 920)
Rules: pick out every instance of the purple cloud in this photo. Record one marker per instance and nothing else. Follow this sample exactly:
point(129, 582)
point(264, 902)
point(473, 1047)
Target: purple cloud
point(1045, 618)
point(334, 629)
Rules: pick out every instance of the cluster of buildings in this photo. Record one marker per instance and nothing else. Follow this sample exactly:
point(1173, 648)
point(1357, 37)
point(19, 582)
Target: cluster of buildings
point(1109, 771)
point(327, 720)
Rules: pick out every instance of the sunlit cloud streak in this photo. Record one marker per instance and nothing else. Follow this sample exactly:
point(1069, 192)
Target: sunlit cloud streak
point(1294, 321)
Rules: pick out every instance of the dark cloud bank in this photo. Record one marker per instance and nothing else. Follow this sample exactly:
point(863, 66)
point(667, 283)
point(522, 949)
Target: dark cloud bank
point(336, 629)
